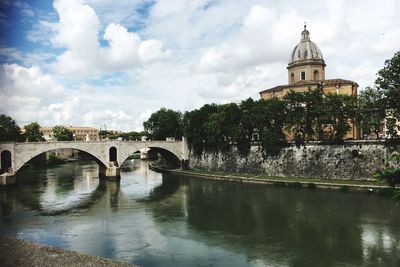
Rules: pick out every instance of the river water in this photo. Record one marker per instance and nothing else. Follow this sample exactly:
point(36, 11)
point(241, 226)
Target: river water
point(154, 220)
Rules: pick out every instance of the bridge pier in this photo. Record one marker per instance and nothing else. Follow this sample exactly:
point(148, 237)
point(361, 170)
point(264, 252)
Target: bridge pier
point(111, 172)
point(8, 179)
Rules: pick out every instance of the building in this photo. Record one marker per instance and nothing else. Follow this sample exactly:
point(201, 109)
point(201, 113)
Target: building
point(306, 70)
point(79, 133)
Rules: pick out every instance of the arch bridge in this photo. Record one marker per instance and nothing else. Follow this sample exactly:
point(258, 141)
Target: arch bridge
point(108, 154)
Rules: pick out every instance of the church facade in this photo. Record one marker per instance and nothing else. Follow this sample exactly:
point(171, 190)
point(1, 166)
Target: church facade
point(306, 70)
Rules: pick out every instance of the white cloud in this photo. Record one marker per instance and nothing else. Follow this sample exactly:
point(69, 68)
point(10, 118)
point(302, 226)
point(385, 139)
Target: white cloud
point(152, 50)
point(258, 42)
point(27, 93)
point(78, 30)
point(111, 120)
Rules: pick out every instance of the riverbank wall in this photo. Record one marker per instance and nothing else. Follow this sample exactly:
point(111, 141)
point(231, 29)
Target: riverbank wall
point(349, 160)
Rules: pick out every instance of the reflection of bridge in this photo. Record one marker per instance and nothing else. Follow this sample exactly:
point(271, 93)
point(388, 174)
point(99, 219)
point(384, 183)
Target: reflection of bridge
point(108, 154)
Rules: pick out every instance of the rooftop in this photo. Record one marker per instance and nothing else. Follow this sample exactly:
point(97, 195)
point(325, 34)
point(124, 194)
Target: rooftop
point(305, 83)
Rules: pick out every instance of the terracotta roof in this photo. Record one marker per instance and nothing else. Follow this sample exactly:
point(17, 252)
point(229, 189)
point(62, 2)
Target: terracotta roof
point(302, 83)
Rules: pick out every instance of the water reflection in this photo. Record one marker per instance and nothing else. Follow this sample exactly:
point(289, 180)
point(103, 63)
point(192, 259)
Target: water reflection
point(156, 220)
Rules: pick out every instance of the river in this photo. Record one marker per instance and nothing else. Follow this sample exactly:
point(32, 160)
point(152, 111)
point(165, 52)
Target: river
point(155, 220)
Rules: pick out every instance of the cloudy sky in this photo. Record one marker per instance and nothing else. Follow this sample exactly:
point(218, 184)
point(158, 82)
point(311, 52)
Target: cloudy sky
point(113, 63)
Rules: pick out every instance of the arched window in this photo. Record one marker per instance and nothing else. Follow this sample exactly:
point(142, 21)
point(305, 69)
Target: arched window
point(5, 161)
point(292, 77)
point(316, 75)
point(113, 154)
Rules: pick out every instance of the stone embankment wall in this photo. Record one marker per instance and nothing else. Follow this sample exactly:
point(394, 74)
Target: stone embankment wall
point(355, 160)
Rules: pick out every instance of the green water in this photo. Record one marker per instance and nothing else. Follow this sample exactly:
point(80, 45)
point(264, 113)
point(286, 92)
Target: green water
point(154, 220)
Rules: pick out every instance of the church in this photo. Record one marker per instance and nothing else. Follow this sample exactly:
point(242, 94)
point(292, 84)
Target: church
point(306, 70)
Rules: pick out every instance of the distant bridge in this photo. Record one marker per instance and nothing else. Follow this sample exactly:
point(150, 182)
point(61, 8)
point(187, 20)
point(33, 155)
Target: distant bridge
point(108, 154)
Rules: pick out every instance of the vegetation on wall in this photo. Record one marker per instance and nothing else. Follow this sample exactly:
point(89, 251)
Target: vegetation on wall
point(391, 175)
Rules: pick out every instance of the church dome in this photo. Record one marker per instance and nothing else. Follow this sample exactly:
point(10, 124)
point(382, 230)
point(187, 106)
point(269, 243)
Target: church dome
point(306, 51)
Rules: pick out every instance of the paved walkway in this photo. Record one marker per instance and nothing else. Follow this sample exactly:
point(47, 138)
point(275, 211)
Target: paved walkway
point(15, 253)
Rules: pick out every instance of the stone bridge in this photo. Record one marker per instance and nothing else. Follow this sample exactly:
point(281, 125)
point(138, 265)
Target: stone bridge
point(108, 154)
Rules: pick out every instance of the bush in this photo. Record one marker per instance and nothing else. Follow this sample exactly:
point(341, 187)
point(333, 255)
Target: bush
point(54, 160)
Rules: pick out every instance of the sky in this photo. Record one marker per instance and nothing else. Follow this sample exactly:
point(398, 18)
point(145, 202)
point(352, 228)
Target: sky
point(111, 64)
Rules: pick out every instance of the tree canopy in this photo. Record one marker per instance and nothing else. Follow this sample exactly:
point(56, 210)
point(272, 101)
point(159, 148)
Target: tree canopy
point(9, 129)
point(33, 133)
point(61, 133)
point(164, 123)
point(371, 110)
point(388, 82)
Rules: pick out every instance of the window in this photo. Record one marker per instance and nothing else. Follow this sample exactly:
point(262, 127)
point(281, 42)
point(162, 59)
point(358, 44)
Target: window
point(303, 75)
point(292, 77)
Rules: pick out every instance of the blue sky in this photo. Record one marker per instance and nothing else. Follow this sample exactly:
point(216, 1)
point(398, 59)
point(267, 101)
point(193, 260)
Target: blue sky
point(96, 62)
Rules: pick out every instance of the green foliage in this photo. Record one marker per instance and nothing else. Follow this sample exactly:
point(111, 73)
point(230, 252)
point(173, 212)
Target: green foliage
point(216, 128)
point(391, 175)
point(61, 133)
point(388, 82)
point(33, 133)
point(195, 131)
point(271, 126)
point(249, 116)
point(164, 123)
point(391, 126)
point(371, 110)
point(9, 129)
point(338, 111)
point(130, 136)
point(303, 114)
point(272, 141)
point(54, 160)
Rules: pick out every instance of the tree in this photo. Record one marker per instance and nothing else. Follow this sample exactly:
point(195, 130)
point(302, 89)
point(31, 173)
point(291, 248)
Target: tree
point(164, 123)
point(33, 133)
point(388, 82)
point(371, 110)
point(338, 112)
point(195, 131)
point(247, 126)
point(303, 111)
point(61, 133)
point(9, 130)
point(271, 125)
point(222, 127)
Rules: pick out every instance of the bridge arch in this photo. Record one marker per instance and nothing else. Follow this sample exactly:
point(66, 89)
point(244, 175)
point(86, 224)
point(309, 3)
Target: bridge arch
point(172, 159)
point(27, 154)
